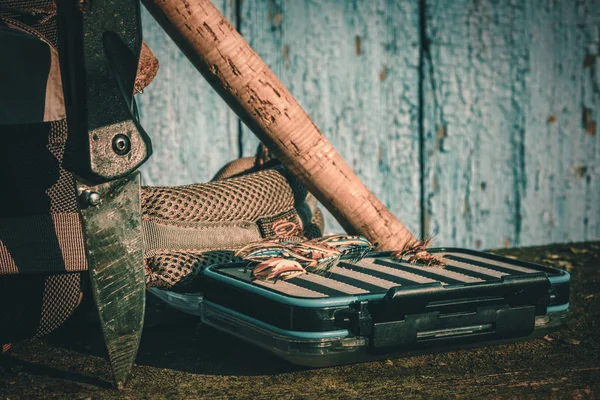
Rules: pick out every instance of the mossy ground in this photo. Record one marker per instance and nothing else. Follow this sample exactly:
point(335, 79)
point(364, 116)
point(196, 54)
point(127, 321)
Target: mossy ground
point(186, 360)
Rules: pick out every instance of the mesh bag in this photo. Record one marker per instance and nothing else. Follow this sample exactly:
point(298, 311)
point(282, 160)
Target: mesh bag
point(187, 228)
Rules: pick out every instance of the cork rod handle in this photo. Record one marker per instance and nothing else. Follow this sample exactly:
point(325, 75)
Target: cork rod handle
point(265, 105)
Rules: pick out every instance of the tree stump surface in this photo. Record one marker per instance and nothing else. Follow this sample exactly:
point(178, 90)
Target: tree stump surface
point(185, 359)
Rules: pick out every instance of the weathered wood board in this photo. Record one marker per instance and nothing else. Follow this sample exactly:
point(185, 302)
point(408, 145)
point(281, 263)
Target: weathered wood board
point(473, 71)
point(561, 186)
point(508, 159)
point(353, 65)
point(193, 131)
point(502, 98)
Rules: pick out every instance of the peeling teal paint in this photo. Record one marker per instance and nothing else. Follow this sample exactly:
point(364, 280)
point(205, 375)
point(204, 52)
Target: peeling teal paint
point(474, 120)
point(508, 83)
point(193, 131)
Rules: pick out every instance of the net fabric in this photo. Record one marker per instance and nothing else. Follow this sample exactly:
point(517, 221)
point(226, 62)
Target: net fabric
point(265, 203)
point(62, 294)
point(42, 24)
point(178, 270)
point(34, 305)
point(62, 193)
point(247, 198)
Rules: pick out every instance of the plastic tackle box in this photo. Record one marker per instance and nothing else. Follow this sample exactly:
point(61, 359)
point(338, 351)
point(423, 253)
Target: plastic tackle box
point(383, 307)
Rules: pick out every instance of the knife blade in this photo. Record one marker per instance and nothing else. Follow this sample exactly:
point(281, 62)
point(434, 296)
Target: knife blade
point(111, 217)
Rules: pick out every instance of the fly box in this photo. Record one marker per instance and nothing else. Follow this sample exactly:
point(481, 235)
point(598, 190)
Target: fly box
point(382, 307)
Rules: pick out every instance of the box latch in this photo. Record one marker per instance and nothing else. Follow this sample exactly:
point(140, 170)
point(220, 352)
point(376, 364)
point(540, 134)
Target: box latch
point(434, 315)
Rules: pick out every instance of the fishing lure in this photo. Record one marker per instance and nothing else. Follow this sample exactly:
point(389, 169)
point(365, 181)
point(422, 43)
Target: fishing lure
point(277, 268)
point(316, 256)
point(416, 253)
point(322, 257)
point(352, 248)
point(264, 251)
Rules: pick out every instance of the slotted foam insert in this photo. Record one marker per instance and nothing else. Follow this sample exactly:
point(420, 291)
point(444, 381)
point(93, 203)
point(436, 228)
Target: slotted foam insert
point(378, 274)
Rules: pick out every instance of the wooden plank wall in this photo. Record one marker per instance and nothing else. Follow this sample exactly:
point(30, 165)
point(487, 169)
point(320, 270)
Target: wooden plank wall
point(473, 120)
point(510, 100)
point(193, 131)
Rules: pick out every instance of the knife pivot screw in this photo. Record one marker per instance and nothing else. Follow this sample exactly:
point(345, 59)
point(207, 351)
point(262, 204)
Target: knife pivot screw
point(91, 198)
point(121, 144)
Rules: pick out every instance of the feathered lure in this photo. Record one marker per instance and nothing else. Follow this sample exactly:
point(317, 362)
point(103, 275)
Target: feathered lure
point(290, 257)
point(416, 253)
